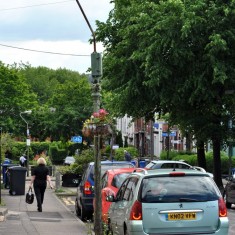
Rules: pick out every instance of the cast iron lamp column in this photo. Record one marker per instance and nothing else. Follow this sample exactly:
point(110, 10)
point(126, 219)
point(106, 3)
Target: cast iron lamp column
point(96, 72)
point(28, 139)
point(0, 165)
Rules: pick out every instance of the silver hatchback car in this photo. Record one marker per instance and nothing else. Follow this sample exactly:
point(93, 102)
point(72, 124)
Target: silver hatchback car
point(166, 201)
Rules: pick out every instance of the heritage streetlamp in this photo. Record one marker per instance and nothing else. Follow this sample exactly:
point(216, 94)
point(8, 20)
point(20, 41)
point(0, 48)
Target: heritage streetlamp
point(96, 72)
point(27, 139)
point(0, 165)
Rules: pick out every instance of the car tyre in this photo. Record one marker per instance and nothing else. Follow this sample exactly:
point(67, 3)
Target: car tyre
point(126, 231)
point(109, 230)
point(228, 205)
point(84, 214)
point(77, 209)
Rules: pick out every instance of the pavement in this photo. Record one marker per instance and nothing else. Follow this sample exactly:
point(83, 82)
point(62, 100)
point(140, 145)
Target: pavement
point(18, 217)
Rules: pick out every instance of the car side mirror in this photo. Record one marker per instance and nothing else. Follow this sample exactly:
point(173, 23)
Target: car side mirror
point(110, 198)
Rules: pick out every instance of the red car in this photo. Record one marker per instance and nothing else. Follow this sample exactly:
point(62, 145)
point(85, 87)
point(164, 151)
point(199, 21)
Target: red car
point(111, 182)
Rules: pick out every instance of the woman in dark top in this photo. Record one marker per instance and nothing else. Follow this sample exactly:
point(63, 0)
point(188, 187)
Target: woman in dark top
point(39, 179)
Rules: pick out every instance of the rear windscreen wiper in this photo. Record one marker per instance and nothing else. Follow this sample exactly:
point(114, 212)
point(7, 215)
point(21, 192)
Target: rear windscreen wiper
point(185, 199)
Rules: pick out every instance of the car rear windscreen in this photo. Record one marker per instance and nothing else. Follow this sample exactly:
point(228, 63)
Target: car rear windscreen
point(179, 189)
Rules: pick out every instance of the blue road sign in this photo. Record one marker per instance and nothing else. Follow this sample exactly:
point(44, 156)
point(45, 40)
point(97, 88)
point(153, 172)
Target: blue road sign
point(77, 139)
point(165, 134)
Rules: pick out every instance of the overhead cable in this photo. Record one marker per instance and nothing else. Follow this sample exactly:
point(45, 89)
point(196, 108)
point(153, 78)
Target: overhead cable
point(47, 52)
point(38, 5)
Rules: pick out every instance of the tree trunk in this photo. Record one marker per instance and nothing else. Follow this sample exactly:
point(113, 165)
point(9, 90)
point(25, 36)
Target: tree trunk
point(201, 157)
point(188, 142)
point(217, 162)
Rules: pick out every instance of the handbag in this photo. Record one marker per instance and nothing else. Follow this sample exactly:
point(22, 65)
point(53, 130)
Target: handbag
point(29, 196)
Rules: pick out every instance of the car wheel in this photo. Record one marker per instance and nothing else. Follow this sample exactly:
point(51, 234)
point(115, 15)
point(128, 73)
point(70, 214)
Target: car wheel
point(228, 205)
point(77, 209)
point(110, 231)
point(108, 228)
point(83, 214)
point(126, 231)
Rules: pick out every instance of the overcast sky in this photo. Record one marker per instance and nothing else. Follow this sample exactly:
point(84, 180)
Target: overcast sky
point(52, 26)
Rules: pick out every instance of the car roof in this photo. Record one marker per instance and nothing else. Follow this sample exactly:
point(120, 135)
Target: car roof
point(168, 161)
point(164, 172)
point(108, 162)
point(119, 170)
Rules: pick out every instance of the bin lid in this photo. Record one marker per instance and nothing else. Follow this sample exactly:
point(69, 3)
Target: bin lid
point(9, 165)
point(7, 161)
point(17, 168)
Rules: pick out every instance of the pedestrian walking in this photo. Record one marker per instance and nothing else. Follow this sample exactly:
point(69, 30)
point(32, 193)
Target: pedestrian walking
point(127, 156)
point(39, 179)
point(23, 161)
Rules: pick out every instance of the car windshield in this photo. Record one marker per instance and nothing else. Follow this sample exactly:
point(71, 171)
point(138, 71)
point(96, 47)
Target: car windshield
point(150, 165)
point(105, 167)
point(178, 189)
point(118, 179)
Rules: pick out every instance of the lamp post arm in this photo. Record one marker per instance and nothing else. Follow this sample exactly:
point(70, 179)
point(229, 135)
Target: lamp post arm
point(24, 120)
point(89, 25)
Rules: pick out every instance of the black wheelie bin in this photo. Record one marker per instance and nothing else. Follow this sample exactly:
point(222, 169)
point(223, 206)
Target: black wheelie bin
point(17, 177)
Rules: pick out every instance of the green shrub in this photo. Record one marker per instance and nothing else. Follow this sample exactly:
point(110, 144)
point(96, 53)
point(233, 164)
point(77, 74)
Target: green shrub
point(165, 155)
point(192, 160)
point(57, 155)
point(119, 153)
point(80, 164)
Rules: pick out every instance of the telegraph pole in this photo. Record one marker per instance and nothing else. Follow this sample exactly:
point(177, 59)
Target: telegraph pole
point(96, 72)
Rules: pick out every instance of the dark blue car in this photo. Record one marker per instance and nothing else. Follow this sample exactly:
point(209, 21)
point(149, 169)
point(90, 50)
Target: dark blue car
point(85, 190)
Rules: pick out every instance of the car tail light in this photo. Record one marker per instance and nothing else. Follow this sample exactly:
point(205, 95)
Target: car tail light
point(87, 188)
point(136, 211)
point(222, 208)
point(175, 174)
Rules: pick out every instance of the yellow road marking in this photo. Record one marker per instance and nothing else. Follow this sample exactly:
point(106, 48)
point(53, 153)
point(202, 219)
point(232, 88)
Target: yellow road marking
point(68, 201)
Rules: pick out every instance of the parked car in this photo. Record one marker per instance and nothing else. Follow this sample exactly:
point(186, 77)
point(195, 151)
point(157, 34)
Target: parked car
point(202, 170)
point(69, 160)
point(167, 201)
point(229, 192)
point(111, 182)
point(85, 190)
point(166, 164)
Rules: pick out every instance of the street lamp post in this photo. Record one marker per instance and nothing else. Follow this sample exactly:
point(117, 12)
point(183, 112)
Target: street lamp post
point(27, 139)
point(96, 72)
point(0, 165)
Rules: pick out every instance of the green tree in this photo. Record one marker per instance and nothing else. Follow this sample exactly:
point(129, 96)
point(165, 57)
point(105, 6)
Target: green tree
point(65, 101)
point(179, 56)
point(41, 81)
point(15, 97)
point(73, 104)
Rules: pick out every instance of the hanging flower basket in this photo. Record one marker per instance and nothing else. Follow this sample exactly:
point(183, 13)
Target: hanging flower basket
point(94, 129)
point(98, 124)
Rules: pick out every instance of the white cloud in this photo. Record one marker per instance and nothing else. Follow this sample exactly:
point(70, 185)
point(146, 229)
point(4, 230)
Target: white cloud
point(57, 28)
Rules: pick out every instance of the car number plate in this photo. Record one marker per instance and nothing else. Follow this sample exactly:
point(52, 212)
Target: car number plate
point(182, 216)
